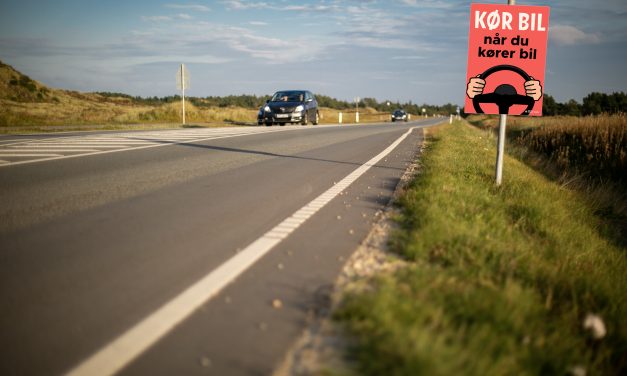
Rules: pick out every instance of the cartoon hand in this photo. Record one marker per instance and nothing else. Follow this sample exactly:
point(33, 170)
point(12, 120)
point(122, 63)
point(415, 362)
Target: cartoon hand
point(475, 87)
point(533, 89)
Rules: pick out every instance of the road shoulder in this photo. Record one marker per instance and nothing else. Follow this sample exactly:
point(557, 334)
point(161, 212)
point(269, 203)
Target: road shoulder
point(323, 345)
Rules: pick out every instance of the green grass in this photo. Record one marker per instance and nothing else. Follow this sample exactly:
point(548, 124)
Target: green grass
point(500, 279)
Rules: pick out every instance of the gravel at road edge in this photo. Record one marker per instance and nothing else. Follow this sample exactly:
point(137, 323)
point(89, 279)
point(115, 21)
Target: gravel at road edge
point(322, 345)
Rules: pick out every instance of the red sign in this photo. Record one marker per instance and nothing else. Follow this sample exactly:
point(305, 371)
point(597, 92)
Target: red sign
point(506, 59)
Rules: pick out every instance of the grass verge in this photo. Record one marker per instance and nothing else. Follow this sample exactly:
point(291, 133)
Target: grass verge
point(500, 280)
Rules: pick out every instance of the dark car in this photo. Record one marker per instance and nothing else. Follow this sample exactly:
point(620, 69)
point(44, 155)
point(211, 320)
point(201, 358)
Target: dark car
point(399, 115)
point(290, 106)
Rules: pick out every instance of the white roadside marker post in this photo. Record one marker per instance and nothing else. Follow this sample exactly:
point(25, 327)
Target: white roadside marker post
point(182, 83)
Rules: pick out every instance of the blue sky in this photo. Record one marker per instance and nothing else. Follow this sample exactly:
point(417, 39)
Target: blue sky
point(395, 49)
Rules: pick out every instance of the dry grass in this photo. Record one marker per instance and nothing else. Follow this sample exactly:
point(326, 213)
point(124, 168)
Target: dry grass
point(596, 146)
point(586, 154)
point(82, 111)
point(593, 146)
point(26, 103)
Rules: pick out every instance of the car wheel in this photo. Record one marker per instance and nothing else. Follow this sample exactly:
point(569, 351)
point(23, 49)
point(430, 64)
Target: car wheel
point(282, 124)
point(316, 119)
point(268, 124)
point(305, 119)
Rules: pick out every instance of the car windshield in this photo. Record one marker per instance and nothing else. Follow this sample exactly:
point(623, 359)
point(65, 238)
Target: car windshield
point(399, 112)
point(288, 96)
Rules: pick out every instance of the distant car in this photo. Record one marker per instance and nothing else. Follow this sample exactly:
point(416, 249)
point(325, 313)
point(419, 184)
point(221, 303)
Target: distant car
point(399, 115)
point(290, 106)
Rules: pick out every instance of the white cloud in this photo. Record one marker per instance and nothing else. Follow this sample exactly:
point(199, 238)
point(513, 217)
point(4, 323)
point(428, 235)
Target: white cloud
point(184, 16)
point(567, 35)
point(258, 23)
point(428, 4)
point(311, 8)
point(239, 5)
point(191, 7)
point(156, 18)
point(408, 57)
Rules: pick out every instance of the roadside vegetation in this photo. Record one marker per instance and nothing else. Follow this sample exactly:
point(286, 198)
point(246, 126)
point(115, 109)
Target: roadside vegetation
point(29, 106)
point(592, 146)
point(517, 279)
point(587, 154)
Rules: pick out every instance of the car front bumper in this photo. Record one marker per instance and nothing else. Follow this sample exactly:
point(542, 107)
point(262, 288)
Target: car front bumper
point(293, 117)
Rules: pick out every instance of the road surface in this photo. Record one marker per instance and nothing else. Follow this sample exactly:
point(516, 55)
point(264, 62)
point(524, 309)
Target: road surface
point(166, 253)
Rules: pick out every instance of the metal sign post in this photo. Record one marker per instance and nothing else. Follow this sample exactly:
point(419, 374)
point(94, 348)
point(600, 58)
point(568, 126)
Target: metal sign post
point(501, 140)
point(182, 83)
point(501, 149)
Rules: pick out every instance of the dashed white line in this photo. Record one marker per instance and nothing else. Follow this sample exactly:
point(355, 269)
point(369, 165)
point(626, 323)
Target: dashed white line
point(124, 349)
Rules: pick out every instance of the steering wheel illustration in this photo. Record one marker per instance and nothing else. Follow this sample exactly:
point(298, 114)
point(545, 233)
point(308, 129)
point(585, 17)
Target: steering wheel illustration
point(505, 95)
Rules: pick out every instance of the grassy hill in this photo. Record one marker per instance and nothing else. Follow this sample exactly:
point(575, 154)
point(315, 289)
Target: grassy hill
point(28, 105)
point(25, 102)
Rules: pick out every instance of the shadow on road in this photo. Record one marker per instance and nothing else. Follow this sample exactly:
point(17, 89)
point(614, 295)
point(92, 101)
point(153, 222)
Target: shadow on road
point(269, 154)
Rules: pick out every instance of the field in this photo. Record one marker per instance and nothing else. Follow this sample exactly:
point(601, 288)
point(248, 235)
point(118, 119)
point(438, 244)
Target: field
point(29, 106)
point(519, 279)
point(588, 154)
point(592, 146)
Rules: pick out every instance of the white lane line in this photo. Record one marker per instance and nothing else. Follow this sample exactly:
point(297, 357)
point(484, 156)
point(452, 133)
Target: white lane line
point(29, 155)
point(106, 142)
point(11, 142)
point(85, 143)
point(127, 347)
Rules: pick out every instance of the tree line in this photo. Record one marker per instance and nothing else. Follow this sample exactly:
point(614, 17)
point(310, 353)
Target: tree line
point(593, 104)
point(254, 101)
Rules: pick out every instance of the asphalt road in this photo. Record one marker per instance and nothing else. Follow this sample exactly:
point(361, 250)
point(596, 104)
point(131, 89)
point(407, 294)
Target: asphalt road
point(163, 257)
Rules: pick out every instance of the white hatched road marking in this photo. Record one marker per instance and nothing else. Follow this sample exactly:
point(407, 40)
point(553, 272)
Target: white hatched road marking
point(39, 150)
point(7, 155)
point(131, 344)
point(51, 150)
point(70, 146)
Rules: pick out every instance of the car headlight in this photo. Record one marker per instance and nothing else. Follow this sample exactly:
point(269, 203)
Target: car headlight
point(267, 109)
point(299, 108)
